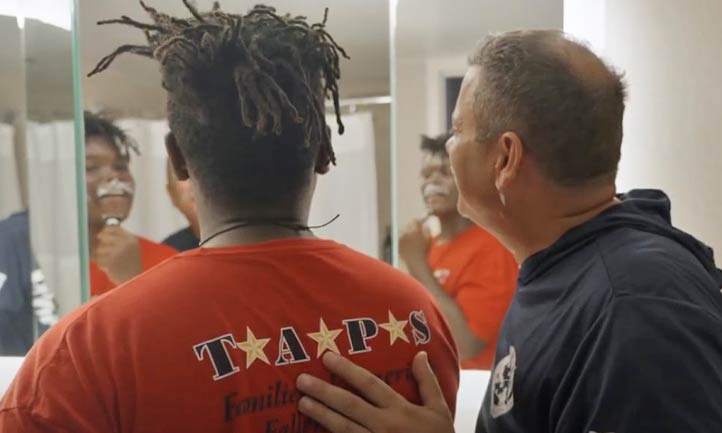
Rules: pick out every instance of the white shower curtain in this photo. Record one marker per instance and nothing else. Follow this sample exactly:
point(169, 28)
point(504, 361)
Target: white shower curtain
point(54, 208)
point(9, 186)
point(348, 190)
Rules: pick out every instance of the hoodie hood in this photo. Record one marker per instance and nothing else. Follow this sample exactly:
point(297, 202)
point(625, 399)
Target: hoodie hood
point(645, 210)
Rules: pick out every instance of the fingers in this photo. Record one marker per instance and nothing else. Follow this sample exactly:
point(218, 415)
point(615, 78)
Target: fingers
point(429, 388)
point(338, 399)
point(426, 217)
point(426, 232)
point(331, 420)
point(413, 226)
point(368, 385)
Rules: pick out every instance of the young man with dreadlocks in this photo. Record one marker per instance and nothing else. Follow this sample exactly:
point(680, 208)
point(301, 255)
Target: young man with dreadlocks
point(471, 275)
point(116, 254)
point(213, 339)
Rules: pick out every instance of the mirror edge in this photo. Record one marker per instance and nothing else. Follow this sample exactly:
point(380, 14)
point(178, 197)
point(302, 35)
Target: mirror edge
point(83, 250)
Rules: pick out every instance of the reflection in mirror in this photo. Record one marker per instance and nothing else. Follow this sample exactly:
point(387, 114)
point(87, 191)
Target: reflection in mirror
point(139, 213)
point(18, 324)
point(468, 271)
point(39, 247)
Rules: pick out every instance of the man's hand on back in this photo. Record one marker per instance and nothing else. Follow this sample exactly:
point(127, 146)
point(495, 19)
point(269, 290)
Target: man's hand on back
point(377, 408)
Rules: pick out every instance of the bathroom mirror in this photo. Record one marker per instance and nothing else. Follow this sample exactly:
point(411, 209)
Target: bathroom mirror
point(40, 250)
point(129, 94)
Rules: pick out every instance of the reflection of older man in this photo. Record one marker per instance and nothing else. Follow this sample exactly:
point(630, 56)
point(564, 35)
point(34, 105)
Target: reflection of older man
point(117, 255)
point(616, 325)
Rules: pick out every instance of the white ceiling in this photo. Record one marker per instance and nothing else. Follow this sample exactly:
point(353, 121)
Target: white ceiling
point(451, 27)
point(132, 85)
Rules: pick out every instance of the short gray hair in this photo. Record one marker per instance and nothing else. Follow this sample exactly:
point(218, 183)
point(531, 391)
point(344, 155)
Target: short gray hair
point(566, 104)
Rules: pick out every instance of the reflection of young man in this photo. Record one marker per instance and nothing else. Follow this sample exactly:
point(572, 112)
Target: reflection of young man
point(213, 339)
point(181, 195)
point(468, 271)
point(116, 254)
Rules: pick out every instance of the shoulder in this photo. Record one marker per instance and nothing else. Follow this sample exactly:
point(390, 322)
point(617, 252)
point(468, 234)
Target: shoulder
point(479, 243)
point(15, 254)
point(658, 313)
point(182, 240)
point(646, 264)
point(380, 279)
point(648, 364)
point(175, 235)
point(49, 353)
point(154, 252)
point(641, 329)
point(486, 255)
point(656, 332)
point(14, 230)
point(363, 266)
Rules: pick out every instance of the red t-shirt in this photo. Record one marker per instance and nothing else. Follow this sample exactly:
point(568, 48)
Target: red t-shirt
point(480, 275)
point(151, 254)
point(213, 340)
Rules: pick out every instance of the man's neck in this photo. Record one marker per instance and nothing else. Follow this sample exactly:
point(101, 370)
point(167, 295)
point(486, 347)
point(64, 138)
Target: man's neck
point(452, 225)
point(539, 230)
point(252, 235)
point(231, 228)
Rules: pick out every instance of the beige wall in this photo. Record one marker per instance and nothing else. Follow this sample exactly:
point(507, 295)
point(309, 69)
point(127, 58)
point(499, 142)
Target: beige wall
point(411, 118)
point(673, 122)
point(420, 110)
point(382, 137)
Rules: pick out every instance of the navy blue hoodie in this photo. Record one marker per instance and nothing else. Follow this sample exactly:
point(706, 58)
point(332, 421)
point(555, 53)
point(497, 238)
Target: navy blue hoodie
point(27, 306)
point(615, 328)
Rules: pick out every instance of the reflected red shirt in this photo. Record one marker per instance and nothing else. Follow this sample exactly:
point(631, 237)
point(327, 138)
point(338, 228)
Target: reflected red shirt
point(151, 254)
point(480, 275)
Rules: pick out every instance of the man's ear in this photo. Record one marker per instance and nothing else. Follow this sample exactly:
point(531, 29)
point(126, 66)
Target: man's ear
point(509, 161)
point(176, 158)
point(323, 159)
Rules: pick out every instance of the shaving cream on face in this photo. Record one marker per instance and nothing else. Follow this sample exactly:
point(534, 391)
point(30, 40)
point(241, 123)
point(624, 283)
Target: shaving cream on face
point(433, 189)
point(114, 187)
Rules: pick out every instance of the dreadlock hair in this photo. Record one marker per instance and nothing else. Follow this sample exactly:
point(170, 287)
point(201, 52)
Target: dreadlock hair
point(98, 126)
point(436, 145)
point(245, 96)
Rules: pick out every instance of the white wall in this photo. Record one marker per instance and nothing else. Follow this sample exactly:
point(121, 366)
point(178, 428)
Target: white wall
point(421, 110)
point(670, 53)
point(411, 118)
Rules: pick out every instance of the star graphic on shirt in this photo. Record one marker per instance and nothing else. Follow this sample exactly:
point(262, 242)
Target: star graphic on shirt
point(395, 329)
point(254, 348)
point(325, 338)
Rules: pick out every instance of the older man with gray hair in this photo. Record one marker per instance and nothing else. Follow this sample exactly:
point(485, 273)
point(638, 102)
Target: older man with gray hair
point(616, 325)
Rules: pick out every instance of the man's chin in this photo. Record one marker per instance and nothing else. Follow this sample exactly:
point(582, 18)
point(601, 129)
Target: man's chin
point(444, 212)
